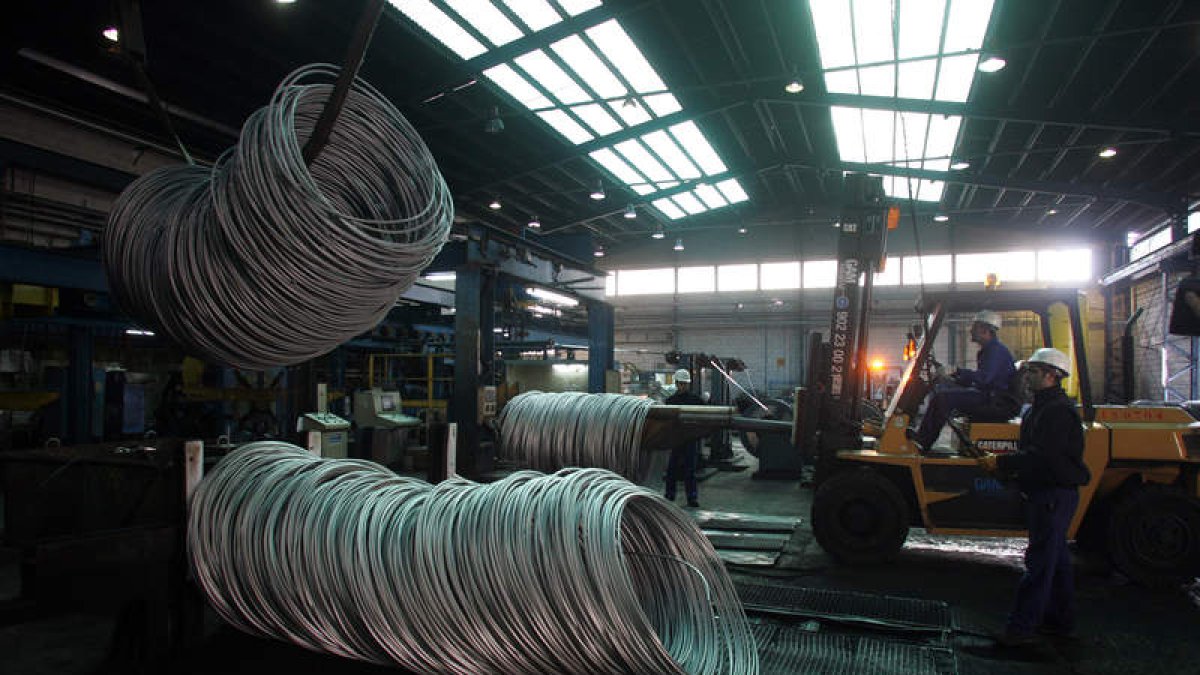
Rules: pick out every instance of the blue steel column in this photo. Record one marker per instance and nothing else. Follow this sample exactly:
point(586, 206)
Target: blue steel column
point(464, 404)
point(79, 385)
point(600, 344)
point(487, 322)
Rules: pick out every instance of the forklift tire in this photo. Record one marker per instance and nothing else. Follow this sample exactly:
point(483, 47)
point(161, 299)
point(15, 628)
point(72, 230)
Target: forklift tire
point(1154, 536)
point(860, 518)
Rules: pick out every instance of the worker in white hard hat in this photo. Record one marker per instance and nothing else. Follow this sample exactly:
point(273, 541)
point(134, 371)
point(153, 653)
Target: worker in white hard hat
point(1048, 466)
point(684, 457)
point(984, 390)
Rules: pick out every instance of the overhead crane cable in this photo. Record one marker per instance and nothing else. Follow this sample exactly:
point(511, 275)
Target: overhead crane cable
point(262, 261)
point(549, 431)
point(575, 572)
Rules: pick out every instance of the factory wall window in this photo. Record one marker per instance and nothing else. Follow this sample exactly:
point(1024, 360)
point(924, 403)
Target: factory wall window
point(973, 268)
point(1150, 244)
point(820, 273)
point(1065, 264)
point(610, 284)
point(1193, 222)
point(774, 276)
point(890, 276)
point(646, 282)
point(697, 279)
point(737, 278)
point(928, 269)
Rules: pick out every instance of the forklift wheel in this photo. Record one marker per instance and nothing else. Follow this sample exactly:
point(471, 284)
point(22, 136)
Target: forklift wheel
point(860, 517)
point(1154, 536)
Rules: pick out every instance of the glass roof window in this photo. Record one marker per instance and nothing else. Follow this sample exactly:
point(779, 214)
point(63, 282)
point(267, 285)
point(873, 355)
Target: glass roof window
point(587, 86)
point(910, 49)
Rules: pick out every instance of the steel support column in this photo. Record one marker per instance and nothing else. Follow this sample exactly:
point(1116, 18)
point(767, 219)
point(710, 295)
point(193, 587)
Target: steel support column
point(80, 388)
point(464, 404)
point(600, 344)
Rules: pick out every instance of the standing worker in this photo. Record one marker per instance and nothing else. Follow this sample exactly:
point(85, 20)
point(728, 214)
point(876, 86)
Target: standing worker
point(1048, 467)
point(684, 456)
point(983, 390)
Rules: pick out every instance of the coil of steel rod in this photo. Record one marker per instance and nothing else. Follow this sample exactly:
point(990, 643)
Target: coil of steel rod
point(549, 431)
point(575, 572)
point(262, 261)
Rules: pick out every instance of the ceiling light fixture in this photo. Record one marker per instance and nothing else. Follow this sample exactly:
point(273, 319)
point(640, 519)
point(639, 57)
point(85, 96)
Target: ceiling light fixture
point(795, 86)
point(494, 205)
point(534, 223)
point(1051, 212)
point(598, 192)
point(111, 34)
point(1108, 152)
point(658, 233)
point(992, 64)
point(742, 230)
point(630, 102)
point(960, 165)
point(494, 124)
point(599, 252)
point(441, 276)
point(630, 212)
point(941, 217)
point(678, 245)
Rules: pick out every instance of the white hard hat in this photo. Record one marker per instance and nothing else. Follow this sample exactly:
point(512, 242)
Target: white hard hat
point(1052, 357)
point(989, 318)
point(682, 375)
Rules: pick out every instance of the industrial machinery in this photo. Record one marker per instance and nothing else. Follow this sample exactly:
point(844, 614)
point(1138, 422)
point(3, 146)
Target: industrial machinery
point(382, 425)
point(1142, 504)
point(334, 431)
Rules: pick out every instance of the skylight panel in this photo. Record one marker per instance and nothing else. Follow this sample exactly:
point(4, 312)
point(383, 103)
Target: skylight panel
point(732, 190)
point(954, 82)
point(486, 19)
point(536, 14)
point(879, 134)
point(688, 135)
point(669, 152)
point(910, 135)
point(566, 126)
point(877, 80)
point(597, 118)
point(920, 27)
point(667, 185)
point(689, 203)
point(663, 104)
point(552, 78)
point(577, 7)
point(873, 30)
point(436, 23)
point(617, 167)
point(612, 40)
point(847, 131)
point(831, 21)
point(917, 78)
point(668, 208)
point(636, 154)
point(843, 81)
point(517, 86)
point(967, 24)
point(643, 189)
point(710, 196)
point(580, 57)
point(943, 132)
point(632, 113)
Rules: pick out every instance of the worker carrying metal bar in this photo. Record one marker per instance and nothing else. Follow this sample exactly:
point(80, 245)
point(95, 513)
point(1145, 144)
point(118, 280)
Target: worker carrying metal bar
point(980, 393)
point(684, 456)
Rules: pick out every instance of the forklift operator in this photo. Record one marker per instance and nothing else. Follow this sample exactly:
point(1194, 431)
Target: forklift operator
point(984, 389)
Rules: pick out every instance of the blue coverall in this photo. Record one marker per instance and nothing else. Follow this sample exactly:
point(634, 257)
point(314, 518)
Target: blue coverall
point(971, 392)
point(684, 456)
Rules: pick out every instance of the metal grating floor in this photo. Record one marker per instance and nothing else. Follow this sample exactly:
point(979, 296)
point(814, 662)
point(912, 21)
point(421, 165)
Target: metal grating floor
point(791, 649)
point(824, 603)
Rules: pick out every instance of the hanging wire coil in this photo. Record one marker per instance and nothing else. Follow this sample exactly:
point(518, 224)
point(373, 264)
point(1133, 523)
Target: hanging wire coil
point(575, 572)
point(262, 261)
point(549, 431)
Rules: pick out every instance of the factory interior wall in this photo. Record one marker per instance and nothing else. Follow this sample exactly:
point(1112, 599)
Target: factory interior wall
point(1150, 336)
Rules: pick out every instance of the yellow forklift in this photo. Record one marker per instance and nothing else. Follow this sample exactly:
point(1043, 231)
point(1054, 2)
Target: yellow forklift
point(1142, 505)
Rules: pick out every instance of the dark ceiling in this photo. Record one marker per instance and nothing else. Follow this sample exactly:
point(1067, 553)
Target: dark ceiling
point(1082, 74)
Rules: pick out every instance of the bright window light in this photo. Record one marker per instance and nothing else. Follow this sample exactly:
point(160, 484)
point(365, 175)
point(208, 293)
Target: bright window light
point(689, 137)
point(917, 79)
point(566, 126)
point(517, 87)
point(537, 14)
point(440, 276)
point(637, 155)
point(967, 24)
point(1148, 245)
point(552, 78)
point(737, 277)
point(831, 21)
point(943, 132)
point(954, 82)
point(689, 203)
point(643, 189)
point(668, 208)
point(577, 7)
point(709, 195)
point(646, 282)
point(696, 279)
point(580, 57)
point(920, 28)
point(666, 149)
point(890, 274)
point(552, 297)
point(779, 276)
point(663, 104)
point(610, 284)
point(820, 273)
point(848, 132)
point(1065, 265)
point(973, 268)
point(929, 269)
point(1193, 221)
point(443, 28)
point(877, 80)
point(597, 118)
point(873, 30)
point(667, 185)
point(732, 190)
point(617, 167)
point(842, 82)
point(486, 19)
point(612, 40)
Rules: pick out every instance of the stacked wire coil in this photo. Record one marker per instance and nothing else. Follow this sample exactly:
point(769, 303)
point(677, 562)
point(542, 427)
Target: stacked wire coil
point(576, 572)
point(262, 261)
point(549, 431)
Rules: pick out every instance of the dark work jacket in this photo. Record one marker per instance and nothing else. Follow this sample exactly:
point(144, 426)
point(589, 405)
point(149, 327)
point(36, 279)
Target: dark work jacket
point(684, 398)
point(1050, 453)
point(994, 369)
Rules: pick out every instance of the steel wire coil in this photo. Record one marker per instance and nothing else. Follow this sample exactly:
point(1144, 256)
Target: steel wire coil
point(550, 431)
point(575, 572)
point(262, 261)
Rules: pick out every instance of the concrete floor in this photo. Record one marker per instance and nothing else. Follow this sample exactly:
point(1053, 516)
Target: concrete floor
point(1123, 628)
